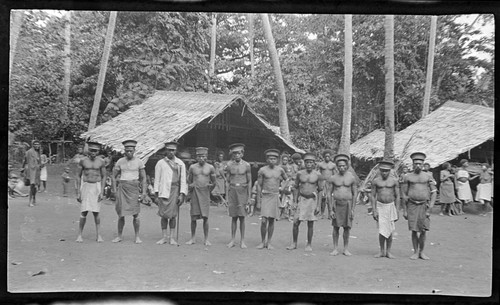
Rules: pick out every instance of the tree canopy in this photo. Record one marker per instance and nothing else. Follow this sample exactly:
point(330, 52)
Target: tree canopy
point(170, 51)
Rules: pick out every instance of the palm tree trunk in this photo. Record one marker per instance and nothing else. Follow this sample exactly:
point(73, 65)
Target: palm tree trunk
point(430, 67)
point(283, 119)
point(389, 87)
point(345, 139)
point(17, 22)
point(102, 70)
point(250, 39)
point(213, 44)
point(67, 64)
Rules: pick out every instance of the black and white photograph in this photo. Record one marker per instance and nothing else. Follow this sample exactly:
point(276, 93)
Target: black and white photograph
point(219, 151)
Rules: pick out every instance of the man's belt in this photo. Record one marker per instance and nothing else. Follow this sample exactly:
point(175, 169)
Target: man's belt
point(417, 202)
point(238, 184)
point(307, 196)
point(133, 180)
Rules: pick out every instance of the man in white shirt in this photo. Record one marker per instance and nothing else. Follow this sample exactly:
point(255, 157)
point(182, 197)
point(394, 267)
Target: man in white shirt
point(170, 189)
point(130, 173)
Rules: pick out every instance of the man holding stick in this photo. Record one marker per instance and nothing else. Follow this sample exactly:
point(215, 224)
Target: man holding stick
point(131, 174)
point(31, 168)
point(170, 189)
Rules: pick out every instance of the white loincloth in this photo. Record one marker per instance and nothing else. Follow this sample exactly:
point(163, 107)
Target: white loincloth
point(387, 215)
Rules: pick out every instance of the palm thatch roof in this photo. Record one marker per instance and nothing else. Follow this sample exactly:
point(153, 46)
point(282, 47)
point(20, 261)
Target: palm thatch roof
point(450, 130)
point(167, 116)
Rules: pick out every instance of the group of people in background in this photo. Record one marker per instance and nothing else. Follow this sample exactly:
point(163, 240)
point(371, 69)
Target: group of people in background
point(455, 190)
point(295, 187)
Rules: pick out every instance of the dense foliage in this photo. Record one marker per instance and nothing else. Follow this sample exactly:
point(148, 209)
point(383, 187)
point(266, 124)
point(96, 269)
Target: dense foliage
point(169, 51)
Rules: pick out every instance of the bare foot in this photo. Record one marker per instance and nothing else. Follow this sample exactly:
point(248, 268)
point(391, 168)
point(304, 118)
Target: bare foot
point(441, 214)
point(99, 239)
point(292, 247)
point(389, 255)
point(414, 256)
point(260, 246)
point(117, 240)
point(191, 242)
point(173, 242)
point(270, 247)
point(161, 241)
point(308, 248)
point(243, 246)
point(138, 240)
point(31, 205)
point(347, 253)
point(231, 244)
point(380, 254)
point(79, 239)
point(423, 256)
point(207, 243)
point(334, 252)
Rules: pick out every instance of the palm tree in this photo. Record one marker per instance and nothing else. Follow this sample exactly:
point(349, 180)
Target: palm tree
point(102, 70)
point(389, 87)
point(283, 119)
point(67, 63)
point(17, 22)
point(213, 43)
point(430, 67)
point(345, 139)
point(250, 39)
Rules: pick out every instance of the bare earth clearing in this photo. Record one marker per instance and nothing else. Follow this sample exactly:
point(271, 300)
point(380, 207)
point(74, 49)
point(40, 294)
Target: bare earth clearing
point(43, 239)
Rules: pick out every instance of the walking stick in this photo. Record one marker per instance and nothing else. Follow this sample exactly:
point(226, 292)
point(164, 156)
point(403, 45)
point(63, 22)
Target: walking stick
point(178, 224)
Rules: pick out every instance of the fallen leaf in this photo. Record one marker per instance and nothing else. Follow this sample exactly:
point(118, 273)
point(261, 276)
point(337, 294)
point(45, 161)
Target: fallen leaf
point(218, 272)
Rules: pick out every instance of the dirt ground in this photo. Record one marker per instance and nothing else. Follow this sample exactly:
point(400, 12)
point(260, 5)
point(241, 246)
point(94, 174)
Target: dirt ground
point(43, 239)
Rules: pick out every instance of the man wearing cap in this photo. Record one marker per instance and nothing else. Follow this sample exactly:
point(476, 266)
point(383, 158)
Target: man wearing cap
point(327, 168)
point(269, 180)
point(31, 168)
point(130, 173)
point(170, 189)
point(239, 190)
point(307, 200)
point(419, 195)
point(201, 181)
point(219, 190)
point(345, 191)
point(385, 192)
point(90, 179)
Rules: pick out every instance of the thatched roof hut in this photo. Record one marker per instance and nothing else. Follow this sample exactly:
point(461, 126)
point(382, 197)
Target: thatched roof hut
point(452, 129)
point(193, 119)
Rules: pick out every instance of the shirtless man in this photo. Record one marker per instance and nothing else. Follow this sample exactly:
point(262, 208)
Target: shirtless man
point(131, 175)
point(307, 200)
point(345, 191)
point(201, 180)
point(419, 195)
point(31, 169)
point(91, 178)
point(385, 192)
point(327, 168)
point(268, 196)
point(239, 191)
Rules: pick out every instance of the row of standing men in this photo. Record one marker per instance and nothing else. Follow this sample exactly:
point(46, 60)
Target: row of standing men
point(333, 180)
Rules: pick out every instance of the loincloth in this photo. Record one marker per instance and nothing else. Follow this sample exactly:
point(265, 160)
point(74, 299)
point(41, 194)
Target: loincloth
point(127, 198)
point(90, 195)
